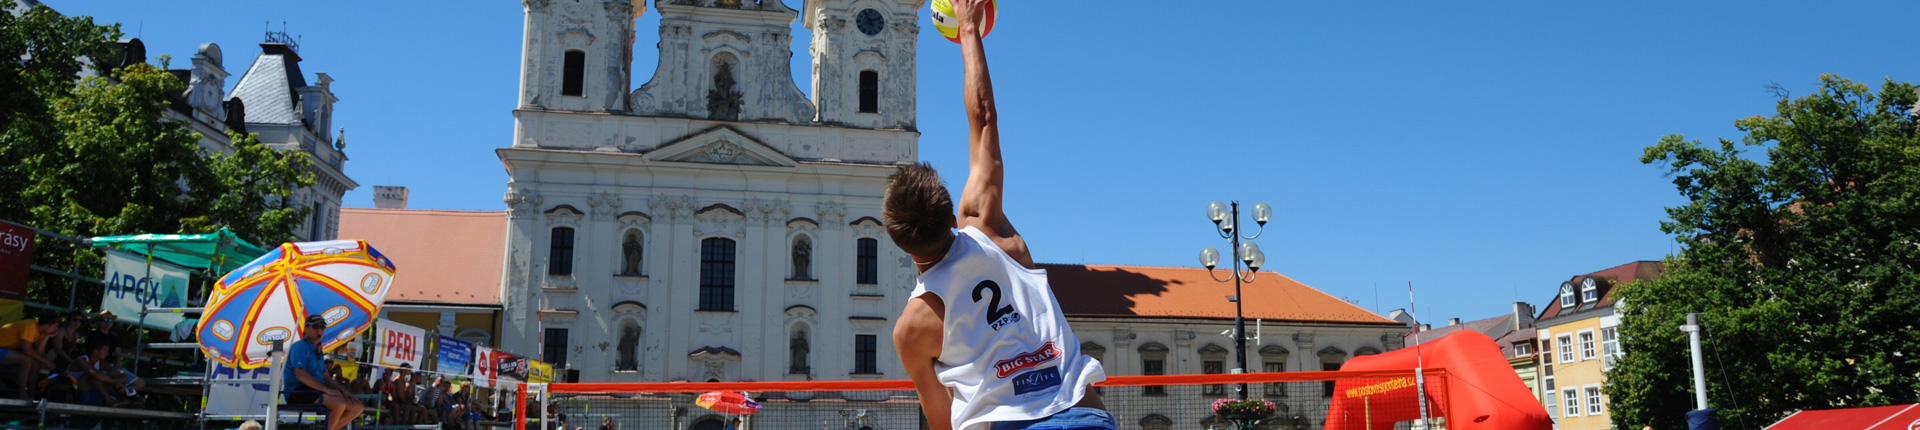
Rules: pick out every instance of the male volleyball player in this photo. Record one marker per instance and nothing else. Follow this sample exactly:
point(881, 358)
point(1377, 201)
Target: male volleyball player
point(982, 319)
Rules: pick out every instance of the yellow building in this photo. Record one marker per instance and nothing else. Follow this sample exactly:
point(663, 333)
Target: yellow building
point(1578, 344)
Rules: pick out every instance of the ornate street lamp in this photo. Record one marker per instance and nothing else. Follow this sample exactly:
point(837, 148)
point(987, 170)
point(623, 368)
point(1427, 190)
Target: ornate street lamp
point(1225, 218)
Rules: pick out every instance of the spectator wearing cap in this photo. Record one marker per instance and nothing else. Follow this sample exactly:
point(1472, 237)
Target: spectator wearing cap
point(307, 368)
point(103, 330)
point(23, 345)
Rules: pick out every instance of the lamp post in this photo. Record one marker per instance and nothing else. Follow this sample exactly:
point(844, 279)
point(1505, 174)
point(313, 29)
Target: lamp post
point(1225, 218)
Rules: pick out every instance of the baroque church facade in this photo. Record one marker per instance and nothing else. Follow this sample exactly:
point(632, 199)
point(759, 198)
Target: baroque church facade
point(715, 223)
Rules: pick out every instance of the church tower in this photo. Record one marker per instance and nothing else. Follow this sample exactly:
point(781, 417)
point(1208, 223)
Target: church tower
point(577, 54)
point(863, 61)
point(725, 60)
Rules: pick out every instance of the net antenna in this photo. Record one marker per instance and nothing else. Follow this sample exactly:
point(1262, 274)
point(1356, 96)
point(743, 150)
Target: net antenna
point(1420, 360)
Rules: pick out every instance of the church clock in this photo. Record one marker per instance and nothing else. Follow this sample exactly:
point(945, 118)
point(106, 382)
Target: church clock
point(871, 22)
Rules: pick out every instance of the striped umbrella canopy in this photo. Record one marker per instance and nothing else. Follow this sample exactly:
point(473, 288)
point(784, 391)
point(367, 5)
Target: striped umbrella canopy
point(343, 281)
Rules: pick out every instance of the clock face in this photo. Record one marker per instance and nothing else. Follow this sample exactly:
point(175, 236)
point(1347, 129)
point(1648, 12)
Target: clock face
point(870, 22)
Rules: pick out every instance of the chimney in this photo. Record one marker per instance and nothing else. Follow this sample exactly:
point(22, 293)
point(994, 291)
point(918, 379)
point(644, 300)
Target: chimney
point(1425, 327)
point(389, 197)
point(1453, 321)
point(1522, 316)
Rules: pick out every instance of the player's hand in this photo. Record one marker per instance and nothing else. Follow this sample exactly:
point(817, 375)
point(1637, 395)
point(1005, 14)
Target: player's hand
point(972, 14)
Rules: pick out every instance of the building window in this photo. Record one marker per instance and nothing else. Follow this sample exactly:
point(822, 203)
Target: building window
point(1609, 346)
point(1587, 351)
point(864, 351)
point(1566, 297)
point(1589, 291)
point(314, 228)
point(1566, 348)
point(1593, 400)
point(869, 261)
point(560, 252)
point(802, 258)
point(1275, 389)
point(1552, 395)
point(1211, 367)
point(1522, 349)
point(1327, 387)
point(632, 248)
point(1150, 367)
point(716, 274)
point(869, 91)
point(553, 349)
point(572, 80)
point(629, 359)
point(1570, 401)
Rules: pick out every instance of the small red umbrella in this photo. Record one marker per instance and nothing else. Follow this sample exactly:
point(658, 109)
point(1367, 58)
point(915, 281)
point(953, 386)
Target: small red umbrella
point(728, 402)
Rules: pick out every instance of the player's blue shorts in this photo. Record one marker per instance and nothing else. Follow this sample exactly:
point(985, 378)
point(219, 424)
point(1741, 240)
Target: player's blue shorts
point(1075, 418)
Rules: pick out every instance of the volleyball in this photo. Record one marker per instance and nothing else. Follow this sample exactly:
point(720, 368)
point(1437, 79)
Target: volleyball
point(949, 26)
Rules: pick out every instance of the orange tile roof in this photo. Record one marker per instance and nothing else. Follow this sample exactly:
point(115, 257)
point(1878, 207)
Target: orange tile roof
point(443, 256)
point(1171, 292)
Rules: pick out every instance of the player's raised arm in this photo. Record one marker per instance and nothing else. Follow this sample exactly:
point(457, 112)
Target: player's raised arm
point(980, 202)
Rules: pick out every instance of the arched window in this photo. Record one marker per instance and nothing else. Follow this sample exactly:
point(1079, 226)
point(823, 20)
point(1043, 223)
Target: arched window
point(716, 274)
point(632, 249)
point(573, 76)
point(798, 348)
point(869, 91)
point(868, 259)
point(1156, 422)
point(629, 359)
point(802, 258)
point(560, 252)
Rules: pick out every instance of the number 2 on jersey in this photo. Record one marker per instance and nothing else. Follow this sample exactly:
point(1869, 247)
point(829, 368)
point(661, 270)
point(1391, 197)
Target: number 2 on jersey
point(994, 310)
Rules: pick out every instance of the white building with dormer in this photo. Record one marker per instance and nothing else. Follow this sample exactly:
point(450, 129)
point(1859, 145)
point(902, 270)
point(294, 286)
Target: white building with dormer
point(714, 223)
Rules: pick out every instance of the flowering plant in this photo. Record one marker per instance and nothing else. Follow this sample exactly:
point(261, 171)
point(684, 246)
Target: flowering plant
point(1249, 408)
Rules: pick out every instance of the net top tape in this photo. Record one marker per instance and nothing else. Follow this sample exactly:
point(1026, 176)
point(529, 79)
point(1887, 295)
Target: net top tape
point(1112, 381)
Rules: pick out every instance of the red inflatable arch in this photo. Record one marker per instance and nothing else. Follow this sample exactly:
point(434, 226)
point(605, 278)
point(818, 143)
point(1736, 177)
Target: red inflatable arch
point(1484, 390)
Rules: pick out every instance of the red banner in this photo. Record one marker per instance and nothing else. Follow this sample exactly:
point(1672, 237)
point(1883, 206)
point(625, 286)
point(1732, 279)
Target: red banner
point(16, 260)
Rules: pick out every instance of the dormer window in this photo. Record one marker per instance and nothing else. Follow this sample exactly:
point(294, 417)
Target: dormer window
point(869, 91)
point(1589, 291)
point(573, 74)
point(1566, 295)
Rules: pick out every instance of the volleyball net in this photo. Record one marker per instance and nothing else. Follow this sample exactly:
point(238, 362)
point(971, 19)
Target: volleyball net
point(1346, 400)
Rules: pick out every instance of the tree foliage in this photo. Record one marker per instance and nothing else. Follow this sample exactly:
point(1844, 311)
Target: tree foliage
point(1805, 266)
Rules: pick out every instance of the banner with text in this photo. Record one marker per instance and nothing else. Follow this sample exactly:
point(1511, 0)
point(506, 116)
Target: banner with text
point(539, 372)
point(455, 356)
point(131, 282)
point(399, 344)
point(16, 260)
point(486, 369)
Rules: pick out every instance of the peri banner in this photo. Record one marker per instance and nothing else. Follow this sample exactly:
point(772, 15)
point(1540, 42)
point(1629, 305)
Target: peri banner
point(131, 282)
point(538, 372)
point(399, 344)
point(455, 356)
point(16, 260)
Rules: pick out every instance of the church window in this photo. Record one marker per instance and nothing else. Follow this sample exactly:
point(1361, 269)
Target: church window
point(629, 359)
point(869, 91)
point(314, 227)
point(632, 248)
point(869, 261)
point(716, 274)
point(574, 73)
point(802, 258)
point(1326, 389)
point(865, 354)
point(553, 349)
point(560, 252)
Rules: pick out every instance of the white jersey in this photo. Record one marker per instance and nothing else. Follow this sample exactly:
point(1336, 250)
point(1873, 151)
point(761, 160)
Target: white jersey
point(1007, 352)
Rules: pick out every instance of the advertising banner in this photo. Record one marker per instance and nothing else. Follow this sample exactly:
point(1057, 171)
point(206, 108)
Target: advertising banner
point(455, 356)
point(131, 282)
point(513, 368)
point(538, 372)
point(237, 399)
point(399, 344)
point(485, 369)
point(16, 259)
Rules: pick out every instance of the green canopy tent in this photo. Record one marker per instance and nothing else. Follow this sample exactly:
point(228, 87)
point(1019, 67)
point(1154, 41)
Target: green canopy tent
point(217, 252)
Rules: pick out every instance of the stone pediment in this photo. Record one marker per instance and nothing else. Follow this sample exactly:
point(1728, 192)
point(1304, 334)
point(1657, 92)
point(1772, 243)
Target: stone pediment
point(720, 145)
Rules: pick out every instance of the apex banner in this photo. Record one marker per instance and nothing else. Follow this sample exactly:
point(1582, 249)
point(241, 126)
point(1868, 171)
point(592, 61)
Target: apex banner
point(132, 282)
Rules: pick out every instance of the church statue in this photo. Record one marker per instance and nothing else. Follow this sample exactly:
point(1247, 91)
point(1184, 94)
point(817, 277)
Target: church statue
point(630, 255)
point(723, 103)
point(802, 260)
point(799, 348)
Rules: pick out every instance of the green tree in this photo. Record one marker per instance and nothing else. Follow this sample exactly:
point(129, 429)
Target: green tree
point(1804, 264)
point(52, 50)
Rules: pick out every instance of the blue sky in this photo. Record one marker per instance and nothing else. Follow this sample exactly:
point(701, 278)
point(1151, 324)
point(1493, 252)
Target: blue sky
point(1484, 151)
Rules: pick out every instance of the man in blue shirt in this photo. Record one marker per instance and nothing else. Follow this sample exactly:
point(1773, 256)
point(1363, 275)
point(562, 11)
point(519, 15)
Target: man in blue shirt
point(307, 370)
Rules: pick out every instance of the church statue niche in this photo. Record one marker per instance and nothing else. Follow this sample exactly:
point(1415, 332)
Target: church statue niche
point(723, 102)
point(802, 258)
point(799, 348)
point(630, 253)
point(629, 348)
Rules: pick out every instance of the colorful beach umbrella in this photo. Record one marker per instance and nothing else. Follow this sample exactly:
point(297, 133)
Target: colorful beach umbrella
point(728, 402)
point(343, 281)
